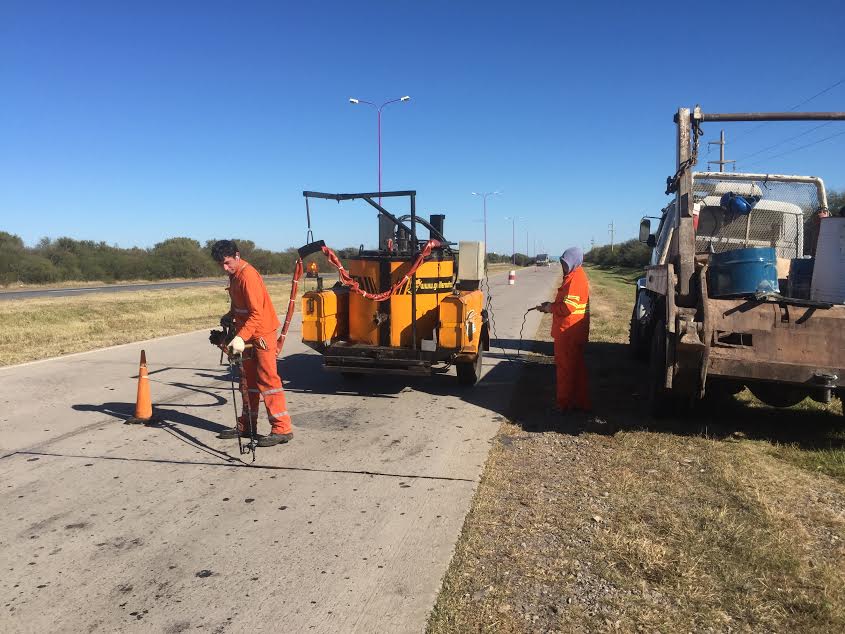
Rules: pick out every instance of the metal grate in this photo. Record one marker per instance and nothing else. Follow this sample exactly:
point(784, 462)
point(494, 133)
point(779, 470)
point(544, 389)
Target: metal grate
point(782, 217)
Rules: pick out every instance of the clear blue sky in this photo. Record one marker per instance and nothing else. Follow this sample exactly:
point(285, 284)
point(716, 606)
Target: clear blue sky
point(208, 119)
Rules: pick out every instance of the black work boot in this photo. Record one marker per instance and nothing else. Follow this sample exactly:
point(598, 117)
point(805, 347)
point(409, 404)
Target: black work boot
point(274, 439)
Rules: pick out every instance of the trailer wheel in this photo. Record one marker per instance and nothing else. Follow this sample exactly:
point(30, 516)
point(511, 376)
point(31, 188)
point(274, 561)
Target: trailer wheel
point(469, 372)
point(661, 401)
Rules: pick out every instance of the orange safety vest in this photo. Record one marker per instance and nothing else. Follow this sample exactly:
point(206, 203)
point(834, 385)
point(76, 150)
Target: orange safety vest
point(572, 304)
point(252, 308)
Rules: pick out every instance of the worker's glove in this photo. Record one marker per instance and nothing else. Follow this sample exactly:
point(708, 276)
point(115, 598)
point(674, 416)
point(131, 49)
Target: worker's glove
point(226, 321)
point(237, 345)
point(545, 307)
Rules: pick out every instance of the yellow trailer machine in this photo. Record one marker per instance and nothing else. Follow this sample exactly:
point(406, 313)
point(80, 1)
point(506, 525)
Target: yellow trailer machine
point(400, 309)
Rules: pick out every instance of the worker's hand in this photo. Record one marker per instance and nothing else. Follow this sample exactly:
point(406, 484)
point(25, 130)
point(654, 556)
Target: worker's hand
point(237, 345)
point(545, 307)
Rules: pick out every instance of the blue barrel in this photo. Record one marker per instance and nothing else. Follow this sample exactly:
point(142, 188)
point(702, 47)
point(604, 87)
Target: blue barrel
point(743, 272)
point(800, 278)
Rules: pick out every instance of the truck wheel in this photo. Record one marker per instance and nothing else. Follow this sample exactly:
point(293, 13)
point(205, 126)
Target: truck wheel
point(661, 401)
point(637, 342)
point(776, 395)
point(469, 372)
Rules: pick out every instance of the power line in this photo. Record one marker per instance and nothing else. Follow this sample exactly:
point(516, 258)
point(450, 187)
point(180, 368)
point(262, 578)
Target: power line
point(795, 107)
point(803, 147)
point(787, 140)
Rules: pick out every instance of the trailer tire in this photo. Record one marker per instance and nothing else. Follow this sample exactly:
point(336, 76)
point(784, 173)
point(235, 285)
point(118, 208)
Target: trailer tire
point(470, 372)
point(661, 401)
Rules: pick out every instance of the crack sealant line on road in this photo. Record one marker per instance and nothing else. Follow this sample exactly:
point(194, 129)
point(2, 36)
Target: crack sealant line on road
point(240, 464)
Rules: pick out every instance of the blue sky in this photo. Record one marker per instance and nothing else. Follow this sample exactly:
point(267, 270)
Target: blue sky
point(208, 119)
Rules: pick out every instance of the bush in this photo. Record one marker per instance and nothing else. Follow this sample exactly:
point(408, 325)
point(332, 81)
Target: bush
point(631, 254)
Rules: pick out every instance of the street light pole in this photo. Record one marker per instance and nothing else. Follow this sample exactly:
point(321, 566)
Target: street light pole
point(355, 101)
point(513, 220)
point(484, 196)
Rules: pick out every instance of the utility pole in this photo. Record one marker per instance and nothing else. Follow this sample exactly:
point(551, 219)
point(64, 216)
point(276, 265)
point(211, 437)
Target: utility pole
point(721, 143)
point(612, 231)
point(592, 243)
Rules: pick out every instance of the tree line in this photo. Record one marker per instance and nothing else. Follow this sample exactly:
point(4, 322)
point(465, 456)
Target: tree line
point(65, 259)
point(631, 253)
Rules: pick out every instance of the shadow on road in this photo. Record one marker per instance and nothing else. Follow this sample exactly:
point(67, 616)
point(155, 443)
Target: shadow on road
point(619, 392)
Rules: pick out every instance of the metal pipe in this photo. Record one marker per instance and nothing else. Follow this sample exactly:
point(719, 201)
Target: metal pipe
point(772, 116)
point(414, 249)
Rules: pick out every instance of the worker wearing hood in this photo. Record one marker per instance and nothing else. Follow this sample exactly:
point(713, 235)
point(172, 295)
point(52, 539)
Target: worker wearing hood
point(570, 331)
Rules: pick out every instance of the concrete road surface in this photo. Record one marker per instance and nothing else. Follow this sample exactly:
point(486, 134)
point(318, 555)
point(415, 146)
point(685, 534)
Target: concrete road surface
point(350, 528)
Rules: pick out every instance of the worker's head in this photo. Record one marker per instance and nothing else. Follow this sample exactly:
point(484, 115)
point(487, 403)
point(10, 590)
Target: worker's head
point(226, 254)
point(571, 259)
point(823, 212)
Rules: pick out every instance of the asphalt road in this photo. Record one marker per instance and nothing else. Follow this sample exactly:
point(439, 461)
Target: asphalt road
point(115, 288)
point(350, 528)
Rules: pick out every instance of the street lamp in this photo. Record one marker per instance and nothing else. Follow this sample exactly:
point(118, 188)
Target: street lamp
point(484, 196)
point(355, 102)
point(513, 220)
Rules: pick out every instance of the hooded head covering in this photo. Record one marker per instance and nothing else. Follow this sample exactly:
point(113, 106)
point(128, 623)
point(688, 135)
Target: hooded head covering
point(573, 257)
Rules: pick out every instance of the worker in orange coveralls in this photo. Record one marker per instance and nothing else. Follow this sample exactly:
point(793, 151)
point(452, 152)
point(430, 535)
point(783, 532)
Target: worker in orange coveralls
point(571, 330)
point(256, 322)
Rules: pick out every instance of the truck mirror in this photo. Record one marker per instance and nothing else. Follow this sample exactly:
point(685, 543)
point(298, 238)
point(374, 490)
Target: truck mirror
point(645, 230)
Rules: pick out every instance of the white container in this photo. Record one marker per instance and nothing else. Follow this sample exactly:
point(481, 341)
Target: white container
point(829, 271)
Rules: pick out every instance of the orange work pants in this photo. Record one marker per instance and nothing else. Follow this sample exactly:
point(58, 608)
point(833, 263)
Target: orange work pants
point(573, 390)
point(262, 380)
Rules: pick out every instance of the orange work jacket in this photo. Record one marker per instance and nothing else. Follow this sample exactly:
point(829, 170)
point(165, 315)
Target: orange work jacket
point(252, 308)
point(571, 305)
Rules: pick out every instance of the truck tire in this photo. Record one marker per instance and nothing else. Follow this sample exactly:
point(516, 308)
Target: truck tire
point(661, 401)
point(777, 395)
point(470, 372)
point(637, 340)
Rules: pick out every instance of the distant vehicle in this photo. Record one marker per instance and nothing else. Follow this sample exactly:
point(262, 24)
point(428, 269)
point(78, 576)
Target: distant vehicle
point(542, 260)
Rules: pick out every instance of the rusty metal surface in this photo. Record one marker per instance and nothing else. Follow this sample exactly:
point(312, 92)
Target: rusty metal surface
point(775, 342)
point(656, 279)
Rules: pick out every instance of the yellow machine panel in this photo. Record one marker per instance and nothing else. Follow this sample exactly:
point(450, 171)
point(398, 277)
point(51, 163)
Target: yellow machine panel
point(325, 315)
point(460, 321)
point(434, 280)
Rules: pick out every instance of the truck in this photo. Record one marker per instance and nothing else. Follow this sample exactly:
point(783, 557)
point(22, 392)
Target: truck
point(542, 259)
point(781, 348)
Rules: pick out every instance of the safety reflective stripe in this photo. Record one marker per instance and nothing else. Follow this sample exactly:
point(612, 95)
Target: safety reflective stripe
point(279, 414)
point(575, 305)
point(243, 311)
point(254, 390)
point(275, 390)
point(580, 311)
point(575, 297)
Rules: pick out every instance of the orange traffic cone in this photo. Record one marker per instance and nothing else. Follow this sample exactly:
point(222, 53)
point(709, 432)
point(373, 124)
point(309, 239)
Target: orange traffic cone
point(143, 403)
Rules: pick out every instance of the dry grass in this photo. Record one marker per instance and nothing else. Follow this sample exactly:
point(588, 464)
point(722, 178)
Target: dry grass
point(49, 327)
point(721, 522)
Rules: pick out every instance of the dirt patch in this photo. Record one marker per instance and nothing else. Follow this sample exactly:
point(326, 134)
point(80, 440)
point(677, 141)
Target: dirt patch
point(611, 523)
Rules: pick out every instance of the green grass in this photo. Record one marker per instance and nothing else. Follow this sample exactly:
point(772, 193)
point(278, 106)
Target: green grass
point(39, 328)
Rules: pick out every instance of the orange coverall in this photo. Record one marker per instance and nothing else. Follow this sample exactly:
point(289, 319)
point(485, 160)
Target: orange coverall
point(256, 323)
point(571, 330)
